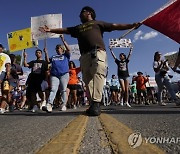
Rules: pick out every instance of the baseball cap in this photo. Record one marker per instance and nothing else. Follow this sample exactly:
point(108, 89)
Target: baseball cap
point(139, 73)
point(158, 53)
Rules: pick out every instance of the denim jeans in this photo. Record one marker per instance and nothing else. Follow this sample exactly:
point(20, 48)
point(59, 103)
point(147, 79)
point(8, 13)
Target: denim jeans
point(59, 82)
point(161, 81)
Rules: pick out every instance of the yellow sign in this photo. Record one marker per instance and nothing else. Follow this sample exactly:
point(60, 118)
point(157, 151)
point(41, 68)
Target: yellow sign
point(2, 60)
point(21, 39)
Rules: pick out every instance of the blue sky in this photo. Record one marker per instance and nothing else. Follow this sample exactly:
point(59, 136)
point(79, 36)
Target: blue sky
point(16, 15)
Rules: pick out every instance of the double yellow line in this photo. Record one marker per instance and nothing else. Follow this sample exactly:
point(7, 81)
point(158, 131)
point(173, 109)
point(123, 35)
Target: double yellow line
point(69, 139)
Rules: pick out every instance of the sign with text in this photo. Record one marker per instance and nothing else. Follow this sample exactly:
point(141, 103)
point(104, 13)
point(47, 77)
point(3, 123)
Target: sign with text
point(75, 52)
point(49, 20)
point(21, 39)
point(120, 43)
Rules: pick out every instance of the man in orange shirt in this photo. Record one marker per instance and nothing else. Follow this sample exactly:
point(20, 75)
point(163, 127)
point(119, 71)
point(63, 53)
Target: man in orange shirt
point(141, 87)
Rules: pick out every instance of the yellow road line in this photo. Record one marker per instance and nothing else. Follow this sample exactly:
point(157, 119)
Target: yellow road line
point(118, 134)
point(69, 139)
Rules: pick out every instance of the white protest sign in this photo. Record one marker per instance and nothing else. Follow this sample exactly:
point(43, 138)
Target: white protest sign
point(75, 52)
point(120, 43)
point(171, 57)
point(23, 78)
point(50, 20)
point(151, 82)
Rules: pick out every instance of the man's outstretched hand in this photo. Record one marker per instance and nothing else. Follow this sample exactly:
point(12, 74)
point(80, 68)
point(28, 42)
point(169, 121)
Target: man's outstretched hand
point(137, 25)
point(44, 29)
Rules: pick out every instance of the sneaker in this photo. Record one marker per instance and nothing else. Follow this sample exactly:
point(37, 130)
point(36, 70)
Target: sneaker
point(7, 108)
point(63, 108)
point(35, 109)
point(122, 104)
point(146, 103)
point(43, 104)
point(162, 104)
point(47, 108)
point(127, 104)
point(74, 107)
point(2, 111)
point(94, 109)
point(11, 108)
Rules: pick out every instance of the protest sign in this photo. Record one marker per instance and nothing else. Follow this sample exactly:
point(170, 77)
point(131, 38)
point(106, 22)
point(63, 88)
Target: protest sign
point(151, 82)
point(171, 57)
point(21, 39)
point(120, 43)
point(49, 20)
point(75, 52)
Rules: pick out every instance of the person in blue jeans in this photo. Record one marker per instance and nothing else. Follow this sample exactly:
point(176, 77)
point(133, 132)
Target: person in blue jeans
point(93, 58)
point(59, 74)
point(162, 79)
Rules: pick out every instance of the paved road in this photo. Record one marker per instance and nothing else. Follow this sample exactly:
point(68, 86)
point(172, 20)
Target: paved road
point(152, 122)
point(25, 132)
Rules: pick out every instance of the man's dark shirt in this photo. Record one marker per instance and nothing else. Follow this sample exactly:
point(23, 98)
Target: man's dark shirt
point(90, 34)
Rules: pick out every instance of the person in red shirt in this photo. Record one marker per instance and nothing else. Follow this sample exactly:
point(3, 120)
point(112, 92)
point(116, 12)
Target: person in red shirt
point(141, 87)
point(72, 84)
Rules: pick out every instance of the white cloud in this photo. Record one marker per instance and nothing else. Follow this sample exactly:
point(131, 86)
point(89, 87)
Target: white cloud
point(149, 35)
point(137, 35)
point(140, 35)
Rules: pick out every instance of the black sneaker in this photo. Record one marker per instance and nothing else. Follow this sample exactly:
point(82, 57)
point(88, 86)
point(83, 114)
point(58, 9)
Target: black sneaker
point(147, 103)
point(44, 108)
point(47, 108)
point(11, 108)
point(94, 109)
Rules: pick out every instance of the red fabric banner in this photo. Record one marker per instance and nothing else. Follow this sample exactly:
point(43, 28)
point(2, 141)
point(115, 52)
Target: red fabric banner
point(166, 20)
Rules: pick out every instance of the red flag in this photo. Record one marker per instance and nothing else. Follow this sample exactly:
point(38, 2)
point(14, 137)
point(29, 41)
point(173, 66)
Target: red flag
point(166, 20)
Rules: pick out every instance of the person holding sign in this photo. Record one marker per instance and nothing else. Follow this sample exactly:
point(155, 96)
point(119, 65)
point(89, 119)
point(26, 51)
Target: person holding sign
point(93, 54)
point(123, 75)
point(162, 79)
point(59, 74)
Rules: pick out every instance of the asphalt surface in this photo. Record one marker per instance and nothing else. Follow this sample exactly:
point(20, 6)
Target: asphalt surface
point(153, 122)
point(25, 132)
point(95, 140)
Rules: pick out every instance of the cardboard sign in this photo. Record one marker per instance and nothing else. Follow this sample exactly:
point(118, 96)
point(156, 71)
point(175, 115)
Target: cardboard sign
point(171, 57)
point(75, 52)
point(21, 39)
point(120, 43)
point(23, 78)
point(151, 82)
point(50, 20)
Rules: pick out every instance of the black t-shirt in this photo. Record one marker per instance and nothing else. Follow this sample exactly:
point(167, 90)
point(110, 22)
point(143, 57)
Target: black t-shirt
point(38, 68)
point(90, 34)
point(16, 68)
point(122, 68)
